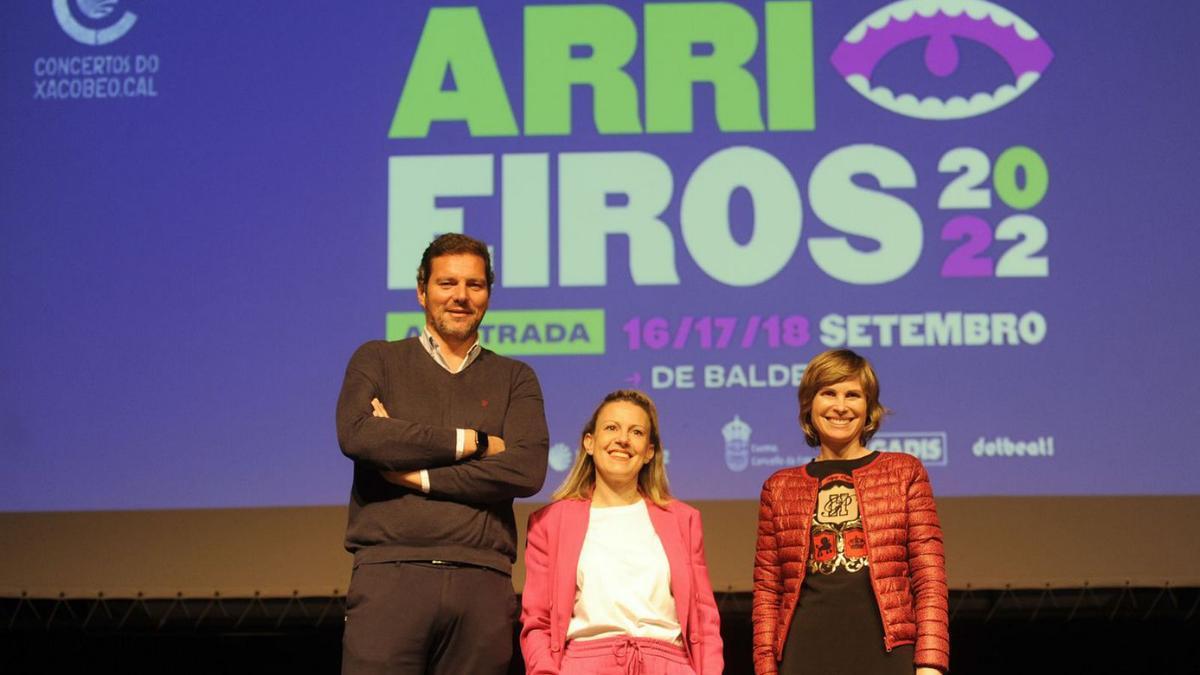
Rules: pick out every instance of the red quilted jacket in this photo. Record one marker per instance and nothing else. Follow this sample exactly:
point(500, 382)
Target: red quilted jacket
point(904, 549)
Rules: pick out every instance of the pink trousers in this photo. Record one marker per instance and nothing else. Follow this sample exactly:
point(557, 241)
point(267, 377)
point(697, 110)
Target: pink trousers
point(624, 656)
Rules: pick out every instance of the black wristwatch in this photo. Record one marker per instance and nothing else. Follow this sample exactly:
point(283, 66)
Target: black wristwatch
point(481, 443)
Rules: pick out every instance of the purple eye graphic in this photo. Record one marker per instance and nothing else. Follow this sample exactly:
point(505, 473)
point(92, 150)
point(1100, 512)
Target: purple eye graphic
point(940, 22)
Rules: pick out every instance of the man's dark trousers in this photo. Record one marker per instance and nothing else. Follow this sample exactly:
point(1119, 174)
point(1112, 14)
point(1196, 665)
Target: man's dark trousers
point(423, 617)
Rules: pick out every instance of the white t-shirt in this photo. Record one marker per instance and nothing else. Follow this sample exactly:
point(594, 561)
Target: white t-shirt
point(623, 582)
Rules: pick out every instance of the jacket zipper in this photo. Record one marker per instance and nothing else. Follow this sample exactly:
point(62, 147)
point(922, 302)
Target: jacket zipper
point(887, 639)
point(781, 639)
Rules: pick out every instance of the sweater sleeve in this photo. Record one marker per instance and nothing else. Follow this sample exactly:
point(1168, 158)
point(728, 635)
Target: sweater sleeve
point(520, 470)
point(927, 568)
point(387, 443)
point(768, 589)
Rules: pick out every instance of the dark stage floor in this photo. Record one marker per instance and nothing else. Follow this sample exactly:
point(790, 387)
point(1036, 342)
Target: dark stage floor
point(1111, 630)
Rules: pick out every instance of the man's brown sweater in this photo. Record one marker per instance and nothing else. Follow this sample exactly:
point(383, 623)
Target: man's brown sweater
point(467, 516)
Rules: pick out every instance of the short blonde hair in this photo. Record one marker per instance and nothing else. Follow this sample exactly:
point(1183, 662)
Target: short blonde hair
point(831, 367)
point(652, 479)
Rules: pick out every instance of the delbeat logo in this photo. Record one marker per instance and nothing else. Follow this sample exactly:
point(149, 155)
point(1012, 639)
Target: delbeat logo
point(100, 12)
point(1003, 447)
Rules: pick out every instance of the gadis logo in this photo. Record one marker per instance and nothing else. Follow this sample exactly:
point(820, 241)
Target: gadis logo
point(940, 22)
point(97, 13)
point(927, 446)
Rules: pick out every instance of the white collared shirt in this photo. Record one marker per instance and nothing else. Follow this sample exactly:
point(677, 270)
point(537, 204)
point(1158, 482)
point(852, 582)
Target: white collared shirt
point(435, 350)
point(431, 346)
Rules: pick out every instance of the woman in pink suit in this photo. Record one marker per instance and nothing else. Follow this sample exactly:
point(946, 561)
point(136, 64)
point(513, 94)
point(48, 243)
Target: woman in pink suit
point(615, 580)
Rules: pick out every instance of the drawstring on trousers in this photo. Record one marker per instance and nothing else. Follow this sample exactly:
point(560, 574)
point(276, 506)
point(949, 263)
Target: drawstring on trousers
point(629, 654)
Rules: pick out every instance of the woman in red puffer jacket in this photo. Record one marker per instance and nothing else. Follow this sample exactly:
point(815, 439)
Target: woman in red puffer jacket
point(849, 574)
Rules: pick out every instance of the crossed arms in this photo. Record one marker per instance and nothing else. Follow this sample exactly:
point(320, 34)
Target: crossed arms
point(399, 448)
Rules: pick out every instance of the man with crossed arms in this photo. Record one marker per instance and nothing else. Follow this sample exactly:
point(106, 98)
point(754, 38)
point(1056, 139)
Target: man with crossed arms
point(443, 434)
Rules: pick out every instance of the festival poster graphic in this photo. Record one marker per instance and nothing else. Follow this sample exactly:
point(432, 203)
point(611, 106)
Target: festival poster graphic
point(988, 199)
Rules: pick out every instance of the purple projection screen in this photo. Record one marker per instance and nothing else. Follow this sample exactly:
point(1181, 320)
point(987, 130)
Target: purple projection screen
point(207, 206)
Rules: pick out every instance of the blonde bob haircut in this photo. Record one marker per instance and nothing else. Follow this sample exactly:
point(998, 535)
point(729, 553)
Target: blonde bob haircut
point(832, 367)
point(652, 479)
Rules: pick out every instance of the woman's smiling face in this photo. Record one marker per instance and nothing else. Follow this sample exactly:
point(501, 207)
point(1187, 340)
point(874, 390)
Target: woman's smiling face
point(839, 413)
point(620, 444)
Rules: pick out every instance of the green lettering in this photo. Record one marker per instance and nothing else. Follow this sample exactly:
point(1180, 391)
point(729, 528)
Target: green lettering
point(525, 332)
point(453, 39)
point(672, 69)
point(790, 97)
point(550, 70)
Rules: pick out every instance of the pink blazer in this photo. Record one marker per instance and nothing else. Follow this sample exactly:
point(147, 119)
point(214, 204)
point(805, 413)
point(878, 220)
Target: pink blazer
point(555, 538)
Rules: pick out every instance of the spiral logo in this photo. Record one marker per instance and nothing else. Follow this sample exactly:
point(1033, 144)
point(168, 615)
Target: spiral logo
point(97, 11)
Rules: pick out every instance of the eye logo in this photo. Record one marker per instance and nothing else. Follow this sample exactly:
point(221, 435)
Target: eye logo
point(940, 21)
point(94, 10)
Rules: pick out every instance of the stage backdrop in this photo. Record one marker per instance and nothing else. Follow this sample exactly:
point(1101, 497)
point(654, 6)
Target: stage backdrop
point(207, 206)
